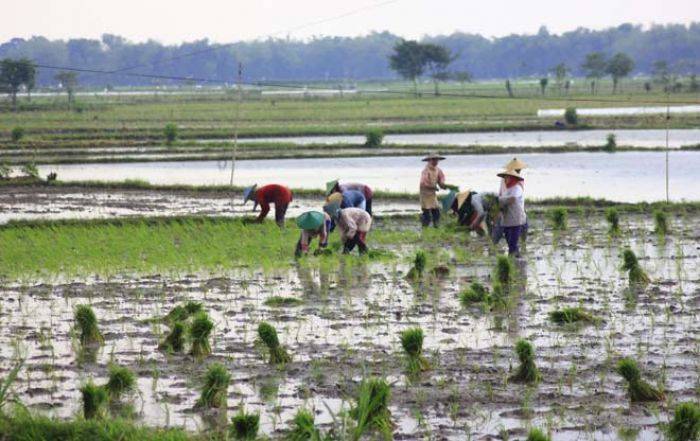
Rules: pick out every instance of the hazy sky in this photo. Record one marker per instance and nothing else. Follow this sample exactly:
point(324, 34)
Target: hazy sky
point(173, 21)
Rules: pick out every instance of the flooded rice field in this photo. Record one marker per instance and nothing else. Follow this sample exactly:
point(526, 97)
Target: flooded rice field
point(540, 138)
point(347, 328)
point(623, 177)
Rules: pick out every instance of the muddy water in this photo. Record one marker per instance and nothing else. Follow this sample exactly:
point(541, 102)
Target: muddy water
point(546, 138)
point(348, 326)
point(625, 177)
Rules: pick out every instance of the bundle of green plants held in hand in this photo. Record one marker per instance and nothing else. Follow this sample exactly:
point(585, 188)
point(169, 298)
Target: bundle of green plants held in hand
point(639, 390)
point(527, 371)
point(637, 276)
point(412, 343)
point(268, 335)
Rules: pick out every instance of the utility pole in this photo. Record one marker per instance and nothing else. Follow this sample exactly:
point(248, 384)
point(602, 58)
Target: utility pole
point(234, 153)
point(668, 119)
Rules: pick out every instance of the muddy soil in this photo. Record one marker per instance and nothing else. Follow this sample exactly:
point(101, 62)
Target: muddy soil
point(348, 325)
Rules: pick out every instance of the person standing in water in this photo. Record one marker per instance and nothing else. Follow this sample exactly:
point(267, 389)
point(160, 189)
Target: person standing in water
point(335, 186)
point(512, 203)
point(431, 180)
point(276, 194)
point(497, 233)
point(312, 224)
point(353, 224)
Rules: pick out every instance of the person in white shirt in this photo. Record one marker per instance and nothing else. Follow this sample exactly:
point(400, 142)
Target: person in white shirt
point(512, 203)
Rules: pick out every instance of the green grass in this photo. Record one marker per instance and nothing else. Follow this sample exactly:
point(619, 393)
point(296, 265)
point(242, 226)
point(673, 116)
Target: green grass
point(121, 382)
point(572, 315)
point(638, 389)
point(685, 425)
point(268, 335)
point(244, 426)
point(527, 372)
point(86, 324)
point(282, 302)
point(215, 389)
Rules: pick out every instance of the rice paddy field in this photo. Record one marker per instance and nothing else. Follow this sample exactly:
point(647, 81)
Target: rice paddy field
point(152, 307)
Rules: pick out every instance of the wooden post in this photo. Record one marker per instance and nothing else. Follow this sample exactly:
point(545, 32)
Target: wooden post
point(234, 153)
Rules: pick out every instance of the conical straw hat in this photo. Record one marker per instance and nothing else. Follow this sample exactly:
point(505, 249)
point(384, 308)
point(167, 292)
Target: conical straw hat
point(512, 173)
point(311, 220)
point(515, 164)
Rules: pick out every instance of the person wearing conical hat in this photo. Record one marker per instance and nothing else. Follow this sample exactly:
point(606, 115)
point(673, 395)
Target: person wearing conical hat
point(431, 180)
point(276, 194)
point(336, 187)
point(512, 203)
point(312, 224)
point(474, 209)
point(497, 232)
point(353, 225)
point(514, 164)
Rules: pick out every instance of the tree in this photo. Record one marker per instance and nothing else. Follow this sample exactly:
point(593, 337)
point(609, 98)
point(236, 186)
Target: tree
point(437, 58)
point(661, 74)
point(543, 85)
point(68, 80)
point(509, 89)
point(561, 71)
point(619, 66)
point(594, 68)
point(14, 74)
point(408, 60)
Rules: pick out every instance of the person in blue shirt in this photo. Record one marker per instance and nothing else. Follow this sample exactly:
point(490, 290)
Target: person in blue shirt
point(347, 199)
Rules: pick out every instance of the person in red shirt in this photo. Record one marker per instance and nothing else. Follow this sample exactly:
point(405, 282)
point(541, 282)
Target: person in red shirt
point(276, 194)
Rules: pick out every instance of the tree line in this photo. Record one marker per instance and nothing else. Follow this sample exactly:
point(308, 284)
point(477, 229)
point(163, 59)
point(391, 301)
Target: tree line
point(366, 57)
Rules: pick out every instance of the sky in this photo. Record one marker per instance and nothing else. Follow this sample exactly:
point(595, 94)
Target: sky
point(175, 21)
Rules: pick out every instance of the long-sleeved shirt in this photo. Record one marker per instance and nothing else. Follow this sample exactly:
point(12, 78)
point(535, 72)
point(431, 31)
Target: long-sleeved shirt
point(512, 202)
point(353, 198)
point(362, 188)
point(430, 179)
point(321, 232)
point(351, 221)
point(272, 194)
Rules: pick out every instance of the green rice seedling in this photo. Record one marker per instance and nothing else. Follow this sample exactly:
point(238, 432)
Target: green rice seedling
point(215, 389)
point(660, 223)
point(476, 293)
point(412, 343)
point(639, 390)
point(180, 313)
point(121, 381)
point(268, 335)
point(244, 425)
point(536, 434)
point(571, 315)
point(372, 409)
point(199, 332)
point(419, 263)
point(303, 427)
point(86, 323)
point(685, 425)
point(175, 340)
point(94, 400)
point(559, 218)
point(505, 270)
point(613, 218)
point(610, 143)
point(527, 371)
point(282, 302)
point(637, 276)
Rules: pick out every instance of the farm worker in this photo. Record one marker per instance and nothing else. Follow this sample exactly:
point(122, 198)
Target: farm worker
point(474, 210)
point(276, 194)
point(353, 224)
point(348, 198)
point(512, 203)
point(335, 186)
point(431, 179)
point(312, 224)
point(497, 232)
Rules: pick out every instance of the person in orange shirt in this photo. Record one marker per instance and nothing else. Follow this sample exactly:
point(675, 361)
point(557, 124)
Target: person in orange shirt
point(276, 194)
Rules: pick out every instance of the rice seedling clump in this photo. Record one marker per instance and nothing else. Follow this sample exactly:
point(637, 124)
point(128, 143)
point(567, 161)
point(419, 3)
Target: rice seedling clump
point(536, 434)
point(244, 425)
point(639, 390)
point(637, 276)
point(199, 332)
point(215, 389)
point(613, 218)
point(685, 425)
point(281, 302)
point(121, 381)
point(86, 323)
point(372, 409)
point(94, 400)
point(476, 293)
point(181, 313)
point(412, 343)
point(660, 223)
point(302, 427)
point(527, 371)
point(175, 340)
point(419, 263)
point(505, 270)
point(571, 315)
point(559, 218)
point(268, 335)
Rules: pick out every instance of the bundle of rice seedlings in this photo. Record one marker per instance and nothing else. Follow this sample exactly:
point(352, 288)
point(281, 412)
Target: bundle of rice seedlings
point(412, 343)
point(527, 371)
point(268, 335)
point(302, 428)
point(476, 293)
point(419, 263)
point(371, 411)
point(181, 313)
point(199, 332)
point(660, 223)
point(685, 425)
point(86, 322)
point(637, 276)
point(244, 425)
point(505, 270)
point(613, 218)
point(215, 389)
point(571, 315)
point(94, 399)
point(536, 434)
point(639, 390)
point(498, 299)
point(558, 217)
point(175, 340)
point(121, 381)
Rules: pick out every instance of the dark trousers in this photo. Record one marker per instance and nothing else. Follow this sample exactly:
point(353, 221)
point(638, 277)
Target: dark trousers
point(368, 206)
point(358, 240)
point(512, 235)
point(280, 212)
point(427, 215)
